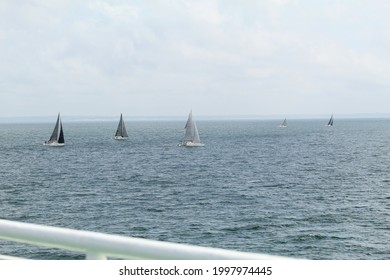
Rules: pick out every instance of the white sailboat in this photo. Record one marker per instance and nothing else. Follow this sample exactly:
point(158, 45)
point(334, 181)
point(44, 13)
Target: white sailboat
point(121, 133)
point(284, 123)
point(57, 137)
point(191, 137)
point(330, 123)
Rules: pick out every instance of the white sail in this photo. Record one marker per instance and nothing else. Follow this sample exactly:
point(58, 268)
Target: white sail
point(189, 128)
point(191, 136)
point(196, 134)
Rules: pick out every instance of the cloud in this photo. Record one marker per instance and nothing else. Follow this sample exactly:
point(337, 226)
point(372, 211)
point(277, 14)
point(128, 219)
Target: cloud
point(224, 57)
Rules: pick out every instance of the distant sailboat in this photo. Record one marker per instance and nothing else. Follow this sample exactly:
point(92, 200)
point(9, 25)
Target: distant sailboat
point(284, 123)
point(330, 123)
point(121, 133)
point(191, 137)
point(57, 137)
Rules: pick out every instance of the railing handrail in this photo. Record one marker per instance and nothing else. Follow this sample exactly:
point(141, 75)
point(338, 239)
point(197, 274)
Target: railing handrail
point(100, 245)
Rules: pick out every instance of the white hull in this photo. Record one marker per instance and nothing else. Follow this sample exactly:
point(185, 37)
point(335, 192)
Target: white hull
point(282, 125)
point(120, 138)
point(54, 144)
point(190, 144)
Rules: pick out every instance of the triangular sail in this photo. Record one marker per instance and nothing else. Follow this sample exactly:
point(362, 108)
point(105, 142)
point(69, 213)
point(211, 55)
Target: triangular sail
point(121, 130)
point(284, 122)
point(191, 137)
point(189, 129)
point(330, 123)
point(61, 138)
point(196, 138)
point(54, 135)
point(124, 132)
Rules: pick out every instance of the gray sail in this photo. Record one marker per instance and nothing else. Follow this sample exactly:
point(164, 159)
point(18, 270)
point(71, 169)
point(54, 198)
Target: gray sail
point(330, 123)
point(54, 135)
point(121, 130)
point(196, 138)
point(124, 132)
point(189, 128)
point(191, 137)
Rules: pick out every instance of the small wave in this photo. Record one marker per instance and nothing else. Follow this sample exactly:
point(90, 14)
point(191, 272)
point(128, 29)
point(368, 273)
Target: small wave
point(313, 237)
point(154, 210)
point(244, 228)
point(273, 185)
point(139, 228)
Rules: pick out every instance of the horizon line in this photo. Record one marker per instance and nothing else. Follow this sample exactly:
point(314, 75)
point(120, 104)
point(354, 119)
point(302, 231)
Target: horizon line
point(95, 118)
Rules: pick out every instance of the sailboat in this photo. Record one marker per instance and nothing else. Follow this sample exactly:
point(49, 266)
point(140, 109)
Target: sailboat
point(284, 123)
point(121, 133)
point(57, 137)
point(330, 123)
point(191, 137)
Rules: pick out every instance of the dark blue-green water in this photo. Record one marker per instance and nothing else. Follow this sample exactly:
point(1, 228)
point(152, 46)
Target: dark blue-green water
point(306, 191)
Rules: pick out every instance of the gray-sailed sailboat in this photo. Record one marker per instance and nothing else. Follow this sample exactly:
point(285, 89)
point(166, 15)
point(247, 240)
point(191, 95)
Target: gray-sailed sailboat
point(330, 123)
point(191, 137)
point(121, 133)
point(284, 123)
point(57, 137)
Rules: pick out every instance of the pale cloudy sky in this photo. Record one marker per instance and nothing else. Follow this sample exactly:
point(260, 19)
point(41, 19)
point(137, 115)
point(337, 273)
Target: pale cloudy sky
point(162, 58)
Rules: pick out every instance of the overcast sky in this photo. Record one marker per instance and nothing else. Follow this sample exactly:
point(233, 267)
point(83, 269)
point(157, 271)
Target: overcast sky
point(163, 58)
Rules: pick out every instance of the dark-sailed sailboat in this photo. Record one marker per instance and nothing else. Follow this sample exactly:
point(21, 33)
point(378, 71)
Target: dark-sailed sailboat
point(121, 133)
point(57, 137)
point(330, 123)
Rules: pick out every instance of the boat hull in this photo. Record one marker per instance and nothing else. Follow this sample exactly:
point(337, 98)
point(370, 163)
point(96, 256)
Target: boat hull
point(120, 138)
point(190, 144)
point(54, 144)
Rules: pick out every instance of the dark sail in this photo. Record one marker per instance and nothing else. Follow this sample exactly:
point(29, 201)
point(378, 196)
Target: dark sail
point(54, 135)
point(121, 130)
point(57, 137)
point(61, 139)
point(330, 123)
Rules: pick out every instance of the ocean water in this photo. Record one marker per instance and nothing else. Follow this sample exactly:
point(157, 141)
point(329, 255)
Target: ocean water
point(306, 191)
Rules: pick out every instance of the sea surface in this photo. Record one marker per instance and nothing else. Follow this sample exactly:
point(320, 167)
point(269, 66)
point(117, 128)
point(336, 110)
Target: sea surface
point(305, 191)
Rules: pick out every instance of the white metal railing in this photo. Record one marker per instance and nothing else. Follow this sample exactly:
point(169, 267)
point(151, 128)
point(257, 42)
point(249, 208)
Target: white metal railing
point(100, 246)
